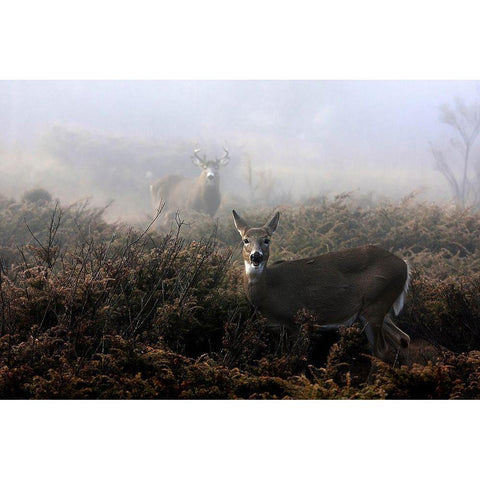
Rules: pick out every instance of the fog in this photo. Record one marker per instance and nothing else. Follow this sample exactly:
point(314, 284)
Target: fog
point(107, 140)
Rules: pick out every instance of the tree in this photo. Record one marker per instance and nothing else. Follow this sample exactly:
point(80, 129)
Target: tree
point(465, 121)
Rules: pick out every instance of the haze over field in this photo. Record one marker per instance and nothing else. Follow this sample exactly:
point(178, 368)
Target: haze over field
point(109, 139)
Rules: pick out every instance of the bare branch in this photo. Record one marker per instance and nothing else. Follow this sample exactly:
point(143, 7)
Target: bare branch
point(446, 171)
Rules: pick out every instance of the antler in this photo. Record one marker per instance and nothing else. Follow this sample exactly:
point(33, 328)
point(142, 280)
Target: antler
point(196, 159)
point(225, 159)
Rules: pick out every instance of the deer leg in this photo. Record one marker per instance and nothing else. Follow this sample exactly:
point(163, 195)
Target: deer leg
point(377, 345)
point(396, 338)
point(367, 328)
point(386, 339)
point(380, 346)
point(394, 334)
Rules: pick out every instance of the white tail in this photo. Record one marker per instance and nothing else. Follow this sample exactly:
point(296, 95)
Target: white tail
point(181, 194)
point(361, 283)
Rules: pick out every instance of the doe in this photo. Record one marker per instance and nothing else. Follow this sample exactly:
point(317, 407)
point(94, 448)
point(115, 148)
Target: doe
point(338, 288)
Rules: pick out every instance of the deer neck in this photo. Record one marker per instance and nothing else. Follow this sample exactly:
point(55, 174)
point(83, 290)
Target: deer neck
point(211, 189)
point(255, 282)
point(210, 193)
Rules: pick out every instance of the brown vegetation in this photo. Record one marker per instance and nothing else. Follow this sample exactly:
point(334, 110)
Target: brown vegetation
point(95, 310)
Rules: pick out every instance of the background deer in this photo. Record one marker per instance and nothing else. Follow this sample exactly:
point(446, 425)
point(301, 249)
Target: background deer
point(180, 194)
point(361, 283)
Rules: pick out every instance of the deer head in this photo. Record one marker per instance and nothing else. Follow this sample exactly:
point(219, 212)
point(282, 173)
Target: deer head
point(256, 242)
point(210, 168)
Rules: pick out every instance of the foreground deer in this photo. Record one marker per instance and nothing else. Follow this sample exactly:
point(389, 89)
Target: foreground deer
point(180, 194)
point(361, 283)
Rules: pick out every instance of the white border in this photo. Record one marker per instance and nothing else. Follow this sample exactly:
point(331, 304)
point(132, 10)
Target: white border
point(267, 39)
point(222, 40)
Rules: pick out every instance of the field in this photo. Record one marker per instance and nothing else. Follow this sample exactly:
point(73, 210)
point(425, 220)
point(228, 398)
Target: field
point(95, 310)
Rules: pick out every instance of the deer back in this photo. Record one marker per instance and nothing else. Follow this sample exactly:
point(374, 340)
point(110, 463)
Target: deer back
point(334, 286)
point(173, 190)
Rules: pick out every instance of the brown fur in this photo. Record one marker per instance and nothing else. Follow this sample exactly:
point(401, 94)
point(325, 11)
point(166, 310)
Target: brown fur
point(337, 287)
point(187, 194)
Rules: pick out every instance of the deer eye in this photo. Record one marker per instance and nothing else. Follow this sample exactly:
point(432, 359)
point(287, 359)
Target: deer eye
point(246, 241)
point(266, 241)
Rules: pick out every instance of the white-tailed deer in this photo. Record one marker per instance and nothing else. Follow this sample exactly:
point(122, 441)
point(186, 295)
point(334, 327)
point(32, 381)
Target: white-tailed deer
point(181, 194)
point(338, 288)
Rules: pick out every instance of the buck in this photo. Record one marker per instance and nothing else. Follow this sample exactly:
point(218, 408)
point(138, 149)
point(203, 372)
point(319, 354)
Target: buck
point(338, 288)
point(180, 194)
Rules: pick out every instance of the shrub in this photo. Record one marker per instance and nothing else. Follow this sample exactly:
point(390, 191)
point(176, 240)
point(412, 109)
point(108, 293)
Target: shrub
point(97, 310)
point(39, 196)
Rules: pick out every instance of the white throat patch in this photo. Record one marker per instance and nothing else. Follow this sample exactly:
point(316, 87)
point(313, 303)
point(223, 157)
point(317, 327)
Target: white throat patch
point(252, 272)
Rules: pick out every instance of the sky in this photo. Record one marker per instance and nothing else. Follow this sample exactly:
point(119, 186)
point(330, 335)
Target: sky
point(326, 112)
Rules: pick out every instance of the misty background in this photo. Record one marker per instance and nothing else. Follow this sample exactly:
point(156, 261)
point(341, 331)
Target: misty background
point(107, 140)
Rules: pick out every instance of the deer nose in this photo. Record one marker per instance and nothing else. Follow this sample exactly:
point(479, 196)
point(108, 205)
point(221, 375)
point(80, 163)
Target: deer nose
point(210, 176)
point(256, 258)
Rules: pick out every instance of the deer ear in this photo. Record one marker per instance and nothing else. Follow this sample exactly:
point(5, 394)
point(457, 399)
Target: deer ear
point(240, 223)
point(197, 162)
point(271, 226)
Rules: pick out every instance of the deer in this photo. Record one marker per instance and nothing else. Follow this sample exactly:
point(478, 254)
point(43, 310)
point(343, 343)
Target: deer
point(180, 194)
point(338, 288)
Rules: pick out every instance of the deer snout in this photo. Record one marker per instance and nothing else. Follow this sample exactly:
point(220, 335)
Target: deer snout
point(256, 258)
point(210, 176)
